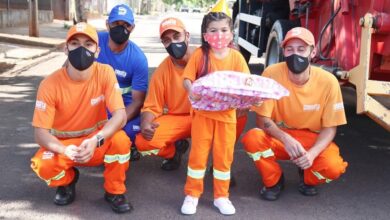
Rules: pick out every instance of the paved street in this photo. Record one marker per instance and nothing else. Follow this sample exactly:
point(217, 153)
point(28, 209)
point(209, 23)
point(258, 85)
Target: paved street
point(362, 193)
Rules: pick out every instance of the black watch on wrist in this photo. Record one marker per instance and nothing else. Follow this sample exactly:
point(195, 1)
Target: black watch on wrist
point(100, 140)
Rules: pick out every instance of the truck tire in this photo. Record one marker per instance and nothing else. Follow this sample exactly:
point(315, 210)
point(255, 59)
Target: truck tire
point(274, 53)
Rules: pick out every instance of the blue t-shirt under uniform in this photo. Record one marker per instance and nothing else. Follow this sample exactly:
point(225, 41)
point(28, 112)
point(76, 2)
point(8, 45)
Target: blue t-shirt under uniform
point(130, 66)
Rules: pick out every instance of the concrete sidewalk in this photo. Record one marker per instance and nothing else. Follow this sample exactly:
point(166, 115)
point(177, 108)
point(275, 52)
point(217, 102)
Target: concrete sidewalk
point(19, 51)
point(50, 34)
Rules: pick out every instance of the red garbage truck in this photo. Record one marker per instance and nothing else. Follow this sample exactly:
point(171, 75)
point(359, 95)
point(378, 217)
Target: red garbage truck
point(353, 42)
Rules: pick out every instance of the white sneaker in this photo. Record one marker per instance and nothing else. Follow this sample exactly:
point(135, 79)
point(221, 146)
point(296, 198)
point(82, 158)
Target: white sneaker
point(189, 205)
point(225, 206)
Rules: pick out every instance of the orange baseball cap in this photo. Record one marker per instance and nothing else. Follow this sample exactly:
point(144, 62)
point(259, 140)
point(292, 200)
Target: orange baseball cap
point(299, 33)
point(171, 24)
point(85, 29)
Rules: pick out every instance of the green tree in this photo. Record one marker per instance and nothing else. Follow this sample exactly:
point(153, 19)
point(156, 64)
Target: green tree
point(171, 2)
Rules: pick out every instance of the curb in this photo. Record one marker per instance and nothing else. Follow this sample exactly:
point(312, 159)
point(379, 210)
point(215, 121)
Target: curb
point(32, 41)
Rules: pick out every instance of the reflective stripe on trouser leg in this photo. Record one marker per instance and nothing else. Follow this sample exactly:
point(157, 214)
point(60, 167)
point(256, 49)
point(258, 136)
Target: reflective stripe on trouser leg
point(320, 177)
point(116, 161)
point(328, 166)
point(265, 150)
point(258, 155)
point(201, 134)
point(219, 175)
point(149, 152)
point(223, 149)
point(55, 169)
point(171, 128)
point(195, 174)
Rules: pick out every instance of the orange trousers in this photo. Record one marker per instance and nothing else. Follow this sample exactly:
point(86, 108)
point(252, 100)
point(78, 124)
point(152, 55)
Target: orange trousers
point(221, 136)
point(172, 128)
point(56, 169)
point(265, 150)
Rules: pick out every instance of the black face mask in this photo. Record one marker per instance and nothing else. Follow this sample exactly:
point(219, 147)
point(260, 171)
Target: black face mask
point(81, 58)
point(177, 50)
point(119, 34)
point(297, 64)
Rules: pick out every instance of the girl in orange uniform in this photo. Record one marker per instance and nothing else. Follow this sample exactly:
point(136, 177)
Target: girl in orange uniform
point(214, 130)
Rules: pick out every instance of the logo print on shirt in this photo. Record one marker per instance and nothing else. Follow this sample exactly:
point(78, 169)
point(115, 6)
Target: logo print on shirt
point(40, 105)
point(315, 107)
point(121, 73)
point(96, 101)
point(338, 106)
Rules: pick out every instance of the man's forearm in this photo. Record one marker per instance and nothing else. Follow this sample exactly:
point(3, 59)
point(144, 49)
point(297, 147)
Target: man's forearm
point(187, 85)
point(147, 117)
point(47, 140)
point(133, 110)
point(270, 128)
point(324, 138)
point(116, 122)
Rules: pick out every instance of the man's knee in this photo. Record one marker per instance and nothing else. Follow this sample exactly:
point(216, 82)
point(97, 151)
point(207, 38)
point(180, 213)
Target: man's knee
point(252, 140)
point(44, 164)
point(329, 170)
point(120, 142)
point(335, 167)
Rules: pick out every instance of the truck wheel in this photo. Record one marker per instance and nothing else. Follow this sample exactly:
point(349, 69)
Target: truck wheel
point(274, 53)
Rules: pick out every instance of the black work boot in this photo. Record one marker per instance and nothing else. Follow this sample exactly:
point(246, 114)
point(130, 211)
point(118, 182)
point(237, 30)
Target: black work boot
point(134, 154)
point(174, 163)
point(304, 189)
point(118, 203)
point(66, 194)
point(273, 193)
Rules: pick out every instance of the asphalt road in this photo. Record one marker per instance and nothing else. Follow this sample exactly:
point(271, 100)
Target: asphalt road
point(363, 192)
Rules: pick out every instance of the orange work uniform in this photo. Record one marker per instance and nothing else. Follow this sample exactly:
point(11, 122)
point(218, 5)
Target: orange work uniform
point(74, 111)
point(166, 91)
point(212, 129)
point(315, 105)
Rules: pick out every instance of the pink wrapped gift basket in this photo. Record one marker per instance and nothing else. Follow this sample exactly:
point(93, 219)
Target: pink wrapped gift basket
point(224, 90)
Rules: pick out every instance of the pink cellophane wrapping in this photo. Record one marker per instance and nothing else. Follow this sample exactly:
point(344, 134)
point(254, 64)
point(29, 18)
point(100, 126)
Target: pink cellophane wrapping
point(224, 90)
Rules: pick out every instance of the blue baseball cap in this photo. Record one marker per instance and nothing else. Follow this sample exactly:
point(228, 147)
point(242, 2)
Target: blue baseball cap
point(121, 13)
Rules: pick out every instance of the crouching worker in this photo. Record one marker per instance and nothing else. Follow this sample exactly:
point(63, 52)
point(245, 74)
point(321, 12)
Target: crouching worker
point(300, 127)
point(70, 123)
point(164, 133)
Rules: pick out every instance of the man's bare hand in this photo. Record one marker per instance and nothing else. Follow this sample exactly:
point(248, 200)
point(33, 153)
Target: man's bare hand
point(71, 151)
point(148, 130)
point(86, 150)
point(305, 161)
point(193, 96)
point(293, 147)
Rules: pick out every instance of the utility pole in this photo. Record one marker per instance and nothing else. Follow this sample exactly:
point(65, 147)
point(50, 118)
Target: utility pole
point(33, 18)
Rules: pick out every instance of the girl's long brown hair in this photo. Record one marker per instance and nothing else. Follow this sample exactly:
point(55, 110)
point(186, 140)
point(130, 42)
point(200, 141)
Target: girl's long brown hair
point(207, 19)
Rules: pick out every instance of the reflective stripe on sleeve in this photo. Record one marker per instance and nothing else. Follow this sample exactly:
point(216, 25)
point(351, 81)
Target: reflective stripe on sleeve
point(126, 90)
